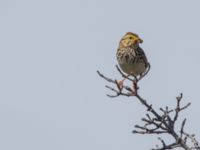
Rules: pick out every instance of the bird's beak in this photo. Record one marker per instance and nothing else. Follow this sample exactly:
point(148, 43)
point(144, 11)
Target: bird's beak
point(140, 40)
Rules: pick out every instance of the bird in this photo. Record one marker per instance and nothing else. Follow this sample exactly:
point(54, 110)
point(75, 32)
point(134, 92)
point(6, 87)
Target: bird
point(131, 57)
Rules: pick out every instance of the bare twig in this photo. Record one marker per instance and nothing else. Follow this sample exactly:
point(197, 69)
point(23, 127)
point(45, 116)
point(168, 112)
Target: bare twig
point(155, 122)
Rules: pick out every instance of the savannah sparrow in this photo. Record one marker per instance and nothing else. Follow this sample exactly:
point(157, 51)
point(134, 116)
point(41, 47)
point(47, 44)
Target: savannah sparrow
point(131, 58)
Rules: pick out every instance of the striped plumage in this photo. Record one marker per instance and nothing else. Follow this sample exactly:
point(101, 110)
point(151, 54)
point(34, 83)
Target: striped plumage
point(131, 58)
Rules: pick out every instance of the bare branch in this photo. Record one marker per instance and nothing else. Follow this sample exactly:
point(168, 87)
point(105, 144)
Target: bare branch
point(155, 122)
point(182, 128)
point(166, 147)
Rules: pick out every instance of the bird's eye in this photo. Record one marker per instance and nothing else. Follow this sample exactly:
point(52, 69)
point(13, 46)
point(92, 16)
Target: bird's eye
point(130, 37)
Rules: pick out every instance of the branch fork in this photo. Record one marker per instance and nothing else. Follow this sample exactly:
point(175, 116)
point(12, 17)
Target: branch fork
point(156, 122)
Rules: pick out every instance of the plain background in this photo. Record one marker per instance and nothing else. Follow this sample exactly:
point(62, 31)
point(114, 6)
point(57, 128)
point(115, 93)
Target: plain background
point(50, 94)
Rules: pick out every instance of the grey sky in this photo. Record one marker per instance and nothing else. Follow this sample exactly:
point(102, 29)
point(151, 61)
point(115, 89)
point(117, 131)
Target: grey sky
point(50, 95)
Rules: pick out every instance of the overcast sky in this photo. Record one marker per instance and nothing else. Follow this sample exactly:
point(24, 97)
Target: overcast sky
point(50, 95)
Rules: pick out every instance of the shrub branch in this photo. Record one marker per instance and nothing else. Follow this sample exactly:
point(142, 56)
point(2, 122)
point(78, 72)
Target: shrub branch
point(155, 122)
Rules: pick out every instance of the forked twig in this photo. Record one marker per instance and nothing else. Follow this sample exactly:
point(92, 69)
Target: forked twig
point(155, 122)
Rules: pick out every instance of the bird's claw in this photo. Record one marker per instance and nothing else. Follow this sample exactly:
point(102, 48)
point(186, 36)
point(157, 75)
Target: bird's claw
point(120, 84)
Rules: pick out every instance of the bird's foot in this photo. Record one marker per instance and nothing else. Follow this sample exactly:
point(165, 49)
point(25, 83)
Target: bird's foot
point(135, 86)
point(120, 84)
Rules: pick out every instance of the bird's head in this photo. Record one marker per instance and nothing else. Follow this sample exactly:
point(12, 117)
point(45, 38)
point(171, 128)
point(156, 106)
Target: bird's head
point(130, 39)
